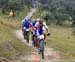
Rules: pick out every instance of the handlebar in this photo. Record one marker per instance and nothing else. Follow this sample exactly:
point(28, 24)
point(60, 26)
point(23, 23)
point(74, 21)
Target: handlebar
point(48, 34)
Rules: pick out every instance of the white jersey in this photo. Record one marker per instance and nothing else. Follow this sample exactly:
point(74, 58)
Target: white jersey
point(39, 31)
point(44, 24)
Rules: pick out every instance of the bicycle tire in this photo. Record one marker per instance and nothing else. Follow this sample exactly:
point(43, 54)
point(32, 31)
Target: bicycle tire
point(42, 48)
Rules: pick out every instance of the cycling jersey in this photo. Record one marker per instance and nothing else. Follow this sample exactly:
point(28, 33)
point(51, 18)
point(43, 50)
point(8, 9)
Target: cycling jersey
point(34, 22)
point(44, 24)
point(40, 31)
point(26, 25)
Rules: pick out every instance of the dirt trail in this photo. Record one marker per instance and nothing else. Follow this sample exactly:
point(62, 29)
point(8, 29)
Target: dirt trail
point(50, 54)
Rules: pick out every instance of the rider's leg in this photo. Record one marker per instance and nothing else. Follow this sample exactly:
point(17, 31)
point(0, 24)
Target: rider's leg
point(34, 40)
point(28, 34)
point(45, 39)
point(24, 34)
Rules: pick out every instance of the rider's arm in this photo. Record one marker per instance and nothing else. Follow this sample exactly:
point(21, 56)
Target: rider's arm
point(36, 25)
point(44, 33)
point(30, 25)
point(46, 26)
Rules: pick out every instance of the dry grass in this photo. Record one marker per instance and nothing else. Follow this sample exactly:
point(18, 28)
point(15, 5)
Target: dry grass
point(10, 46)
point(62, 39)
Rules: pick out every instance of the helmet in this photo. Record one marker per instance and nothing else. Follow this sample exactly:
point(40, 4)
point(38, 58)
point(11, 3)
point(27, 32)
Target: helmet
point(38, 19)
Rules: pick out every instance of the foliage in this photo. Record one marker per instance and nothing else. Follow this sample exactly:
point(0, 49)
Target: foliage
point(10, 46)
point(15, 5)
point(60, 9)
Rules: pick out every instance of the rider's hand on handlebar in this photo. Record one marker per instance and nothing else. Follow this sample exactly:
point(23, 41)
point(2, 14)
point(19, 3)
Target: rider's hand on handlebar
point(48, 34)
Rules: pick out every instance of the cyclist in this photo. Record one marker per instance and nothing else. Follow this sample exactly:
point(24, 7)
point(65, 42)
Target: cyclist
point(44, 26)
point(34, 32)
point(40, 33)
point(26, 24)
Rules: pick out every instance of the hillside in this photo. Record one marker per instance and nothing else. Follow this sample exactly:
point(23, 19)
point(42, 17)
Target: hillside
point(10, 46)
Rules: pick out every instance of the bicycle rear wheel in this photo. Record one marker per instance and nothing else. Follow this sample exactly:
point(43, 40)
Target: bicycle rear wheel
point(26, 36)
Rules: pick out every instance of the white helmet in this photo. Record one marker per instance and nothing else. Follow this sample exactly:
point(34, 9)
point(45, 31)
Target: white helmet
point(38, 19)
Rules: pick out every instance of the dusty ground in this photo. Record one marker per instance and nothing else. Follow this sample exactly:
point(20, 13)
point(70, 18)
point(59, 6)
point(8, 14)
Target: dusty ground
point(50, 54)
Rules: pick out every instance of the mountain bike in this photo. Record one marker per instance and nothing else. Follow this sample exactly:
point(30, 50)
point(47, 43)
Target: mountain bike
point(26, 34)
point(42, 45)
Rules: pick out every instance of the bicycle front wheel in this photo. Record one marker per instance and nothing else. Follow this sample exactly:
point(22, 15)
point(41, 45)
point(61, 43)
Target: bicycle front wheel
point(42, 47)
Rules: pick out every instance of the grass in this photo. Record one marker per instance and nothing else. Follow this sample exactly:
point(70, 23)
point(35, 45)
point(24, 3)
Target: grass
point(10, 46)
point(62, 39)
